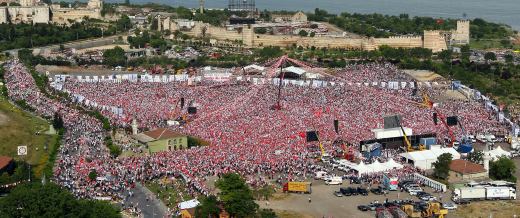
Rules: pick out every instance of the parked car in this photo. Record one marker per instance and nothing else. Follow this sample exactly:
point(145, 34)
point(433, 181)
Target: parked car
point(363, 208)
point(338, 194)
point(449, 206)
point(378, 191)
point(414, 191)
point(461, 201)
point(374, 206)
point(348, 191)
point(362, 191)
point(426, 196)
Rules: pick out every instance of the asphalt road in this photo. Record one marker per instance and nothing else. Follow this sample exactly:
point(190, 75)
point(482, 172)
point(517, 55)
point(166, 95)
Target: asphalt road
point(146, 201)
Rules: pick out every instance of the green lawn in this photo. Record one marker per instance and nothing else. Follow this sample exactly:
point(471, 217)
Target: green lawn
point(19, 128)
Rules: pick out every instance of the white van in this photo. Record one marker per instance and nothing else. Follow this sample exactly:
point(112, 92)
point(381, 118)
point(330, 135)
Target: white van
point(320, 175)
point(335, 180)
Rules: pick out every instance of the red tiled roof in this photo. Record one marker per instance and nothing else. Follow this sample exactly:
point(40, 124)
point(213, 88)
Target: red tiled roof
point(162, 133)
point(466, 167)
point(4, 161)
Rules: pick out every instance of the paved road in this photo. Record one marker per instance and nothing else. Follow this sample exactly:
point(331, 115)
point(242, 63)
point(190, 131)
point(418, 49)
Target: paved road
point(147, 202)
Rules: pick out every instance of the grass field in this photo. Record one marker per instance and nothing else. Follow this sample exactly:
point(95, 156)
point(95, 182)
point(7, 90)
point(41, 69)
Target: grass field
point(20, 128)
point(484, 209)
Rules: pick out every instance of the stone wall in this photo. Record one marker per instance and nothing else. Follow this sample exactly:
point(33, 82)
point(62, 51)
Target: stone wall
point(433, 40)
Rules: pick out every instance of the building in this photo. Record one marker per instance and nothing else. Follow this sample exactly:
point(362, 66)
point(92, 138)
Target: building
point(463, 170)
point(163, 139)
point(66, 15)
point(25, 14)
point(6, 164)
point(460, 36)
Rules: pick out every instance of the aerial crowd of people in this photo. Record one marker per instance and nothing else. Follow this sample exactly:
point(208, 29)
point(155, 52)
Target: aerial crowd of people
point(245, 134)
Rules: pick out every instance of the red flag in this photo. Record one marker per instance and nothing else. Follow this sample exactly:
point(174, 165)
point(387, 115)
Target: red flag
point(318, 112)
point(302, 134)
point(440, 21)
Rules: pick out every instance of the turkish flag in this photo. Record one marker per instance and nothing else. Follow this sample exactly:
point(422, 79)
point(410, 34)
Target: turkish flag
point(303, 134)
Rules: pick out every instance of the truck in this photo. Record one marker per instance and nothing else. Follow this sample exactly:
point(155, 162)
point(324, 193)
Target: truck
point(391, 183)
point(334, 180)
point(469, 193)
point(484, 193)
point(320, 175)
point(501, 192)
point(300, 187)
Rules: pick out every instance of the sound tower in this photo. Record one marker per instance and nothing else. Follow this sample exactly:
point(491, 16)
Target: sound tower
point(182, 103)
point(435, 120)
point(336, 126)
point(192, 110)
point(311, 136)
point(452, 121)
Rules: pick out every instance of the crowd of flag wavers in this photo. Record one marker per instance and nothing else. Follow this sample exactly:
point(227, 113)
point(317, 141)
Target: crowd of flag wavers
point(246, 136)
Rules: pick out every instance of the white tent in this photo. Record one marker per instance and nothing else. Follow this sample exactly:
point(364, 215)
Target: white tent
point(189, 204)
point(498, 152)
point(362, 168)
point(392, 164)
point(378, 167)
point(424, 159)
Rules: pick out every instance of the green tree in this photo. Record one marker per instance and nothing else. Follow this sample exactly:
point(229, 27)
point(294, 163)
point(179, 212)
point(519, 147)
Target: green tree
point(57, 122)
point(92, 175)
point(490, 56)
point(50, 200)
point(502, 169)
point(509, 58)
point(114, 57)
point(261, 30)
point(303, 33)
point(208, 207)
point(267, 213)
point(312, 34)
point(476, 157)
point(236, 195)
point(442, 166)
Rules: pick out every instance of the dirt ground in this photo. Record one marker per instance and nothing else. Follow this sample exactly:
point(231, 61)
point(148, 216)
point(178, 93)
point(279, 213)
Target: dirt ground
point(325, 204)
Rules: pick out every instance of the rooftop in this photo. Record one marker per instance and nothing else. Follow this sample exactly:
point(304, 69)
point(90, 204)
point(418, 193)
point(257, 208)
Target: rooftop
point(157, 134)
point(4, 161)
point(466, 167)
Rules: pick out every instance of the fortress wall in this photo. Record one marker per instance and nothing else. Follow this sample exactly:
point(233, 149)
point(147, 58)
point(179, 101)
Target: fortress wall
point(400, 42)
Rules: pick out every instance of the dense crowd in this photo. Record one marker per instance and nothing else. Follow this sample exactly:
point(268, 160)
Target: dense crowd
point(245, 134)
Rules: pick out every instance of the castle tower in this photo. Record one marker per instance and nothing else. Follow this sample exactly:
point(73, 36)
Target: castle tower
point(27, 3)
point(434, 40)
point(95, 4)
point(134, 127)
point(201, 4)
point(462, 33)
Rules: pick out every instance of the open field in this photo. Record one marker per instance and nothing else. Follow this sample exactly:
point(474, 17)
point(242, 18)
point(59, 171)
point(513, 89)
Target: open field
point(20, 128)
point(484, 209)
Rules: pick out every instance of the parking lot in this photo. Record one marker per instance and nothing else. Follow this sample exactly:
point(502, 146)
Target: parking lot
point(325, 204)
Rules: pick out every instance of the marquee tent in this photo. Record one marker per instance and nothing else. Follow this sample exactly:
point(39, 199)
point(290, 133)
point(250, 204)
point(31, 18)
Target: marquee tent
point(424, 159)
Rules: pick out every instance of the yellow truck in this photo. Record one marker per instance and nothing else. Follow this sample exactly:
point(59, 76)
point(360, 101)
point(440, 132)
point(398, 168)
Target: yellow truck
point(301, 187)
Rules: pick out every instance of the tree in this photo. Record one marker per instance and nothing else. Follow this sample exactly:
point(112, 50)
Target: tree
point(502, 169)
point(442, 166)
point(445, 55)
point(124, 23)
point(267, 213)
point(312, 34)
point(509, 58)
point(303, 33)
point(57, 122)
point(490, 56)
point(236, 195)
point(476, 157)
point(50, 200)
point(92, 175)
point(114, 57)
point(208, 207)
point(261, 30)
